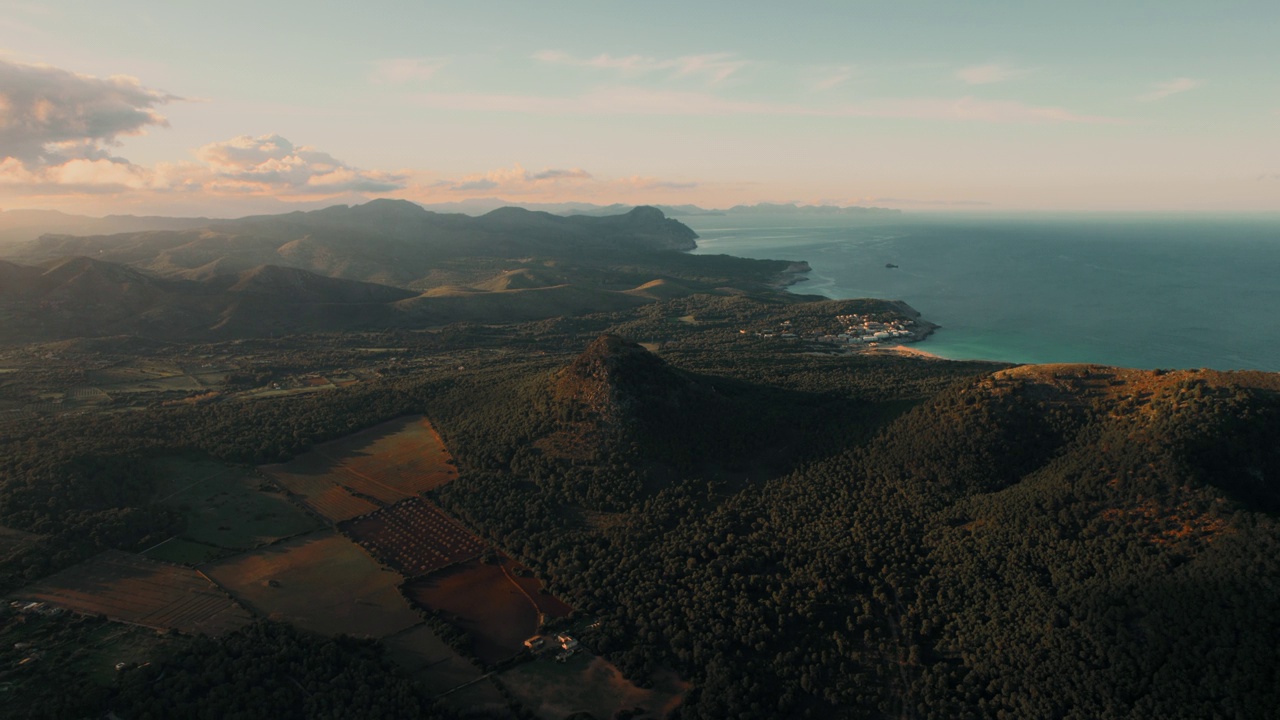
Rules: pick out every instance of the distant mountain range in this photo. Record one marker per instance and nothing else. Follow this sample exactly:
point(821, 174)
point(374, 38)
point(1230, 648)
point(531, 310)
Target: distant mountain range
point(387, 263)
point(483, 205)
point(392, 242)
point(17, 226)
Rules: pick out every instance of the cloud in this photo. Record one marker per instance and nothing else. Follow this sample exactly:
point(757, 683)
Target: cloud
point(399, 71)
point(1164, 89)
point(987, 74)
point(515, 179)
point(272, 163)
point(552, 183)
point(829, 78)
point(642, 101)
point(469, 185)
point(267, 165)
point(714, 68)
point(1269, 176)
point(575, 174)
point(50, 116)
point(645, 183)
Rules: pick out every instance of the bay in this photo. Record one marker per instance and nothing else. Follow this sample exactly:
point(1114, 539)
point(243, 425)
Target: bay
point(1133, 292)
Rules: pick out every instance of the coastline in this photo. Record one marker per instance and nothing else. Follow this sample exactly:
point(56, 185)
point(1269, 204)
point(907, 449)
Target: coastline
point(794, 274)
point(902, 350)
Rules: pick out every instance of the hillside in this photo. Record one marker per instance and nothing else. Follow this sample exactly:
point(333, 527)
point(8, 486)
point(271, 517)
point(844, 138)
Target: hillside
point(384, 241)
point(84, 297)
point(380, 265)
point(1037, 542)
point(18, 226)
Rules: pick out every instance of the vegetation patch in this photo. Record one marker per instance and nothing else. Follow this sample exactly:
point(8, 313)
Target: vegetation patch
point(41, 654)
point(225, 508)
point(590, 684)
point(429, 660)
point(14, 542)
point(134, 589)
point(320, 582)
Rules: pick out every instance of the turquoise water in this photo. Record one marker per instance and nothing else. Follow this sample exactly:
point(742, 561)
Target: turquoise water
point(1137, 293)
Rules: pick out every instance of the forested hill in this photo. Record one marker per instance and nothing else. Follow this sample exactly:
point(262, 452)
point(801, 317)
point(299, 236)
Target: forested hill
point(794, 534)
point(1056, 541)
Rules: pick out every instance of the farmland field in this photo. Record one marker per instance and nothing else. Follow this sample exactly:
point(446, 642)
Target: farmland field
point(427, 659)
point(225, 507)
point(414, 537)
point(320, 582)
point(484, 600)
point(142, 378)
point(319, 490)
point(186, 552)
point(134, 589)
point(590, 684)
point(390, 462)
point(406, 453)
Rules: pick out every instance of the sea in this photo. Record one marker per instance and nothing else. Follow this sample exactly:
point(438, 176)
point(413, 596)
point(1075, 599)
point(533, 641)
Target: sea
point(1140, 292)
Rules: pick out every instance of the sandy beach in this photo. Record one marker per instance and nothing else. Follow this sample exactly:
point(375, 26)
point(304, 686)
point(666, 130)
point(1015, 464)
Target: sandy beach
point(902, 350)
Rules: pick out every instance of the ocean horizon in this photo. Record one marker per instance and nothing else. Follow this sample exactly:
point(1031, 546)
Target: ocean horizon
point(1139, 292)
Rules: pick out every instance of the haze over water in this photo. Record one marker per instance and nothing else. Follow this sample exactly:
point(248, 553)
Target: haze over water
point(1145, 293)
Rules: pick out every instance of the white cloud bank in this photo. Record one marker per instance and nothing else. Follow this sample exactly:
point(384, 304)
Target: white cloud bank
point(270, 163)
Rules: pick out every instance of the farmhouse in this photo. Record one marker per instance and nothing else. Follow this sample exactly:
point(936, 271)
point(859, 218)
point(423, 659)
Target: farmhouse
point(567, 642)
point(535, 643)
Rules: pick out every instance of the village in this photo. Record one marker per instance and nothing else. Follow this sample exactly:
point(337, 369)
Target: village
point(850, 330)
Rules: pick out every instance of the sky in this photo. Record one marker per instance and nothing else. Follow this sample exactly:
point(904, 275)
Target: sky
point(231, 108)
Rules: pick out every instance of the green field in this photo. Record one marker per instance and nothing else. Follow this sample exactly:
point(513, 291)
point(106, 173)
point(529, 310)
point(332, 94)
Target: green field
point(225, 507)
